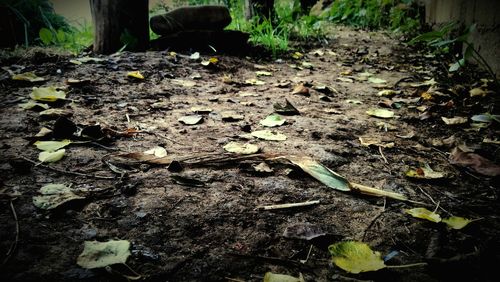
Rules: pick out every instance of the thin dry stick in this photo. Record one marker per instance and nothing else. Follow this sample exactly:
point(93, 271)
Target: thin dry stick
point(290, 205)
point(407, 265)
point(382, 154)
point(13, 247)
point(67, 171)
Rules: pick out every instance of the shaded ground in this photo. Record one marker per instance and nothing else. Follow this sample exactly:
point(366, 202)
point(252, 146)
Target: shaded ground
point(215, 232)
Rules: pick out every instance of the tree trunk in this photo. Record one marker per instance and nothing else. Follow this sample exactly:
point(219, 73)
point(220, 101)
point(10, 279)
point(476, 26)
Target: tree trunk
point(118, 23)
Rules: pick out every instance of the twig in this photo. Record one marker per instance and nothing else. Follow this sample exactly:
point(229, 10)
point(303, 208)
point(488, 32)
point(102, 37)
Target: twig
point(382, 154)
point(13, 246)
point(372, 222)
point(67, 171)
point(290, 205)
point(407, 265)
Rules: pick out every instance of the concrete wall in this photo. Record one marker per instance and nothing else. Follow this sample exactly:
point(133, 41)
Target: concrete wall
point(485, 13)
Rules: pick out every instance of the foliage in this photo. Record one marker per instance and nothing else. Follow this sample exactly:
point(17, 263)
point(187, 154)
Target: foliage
point(448, 36)
point(74, 39)
point(34, 15)
point(397, 15)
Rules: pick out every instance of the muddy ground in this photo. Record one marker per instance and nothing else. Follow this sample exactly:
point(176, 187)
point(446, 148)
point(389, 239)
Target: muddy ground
point(213, 230)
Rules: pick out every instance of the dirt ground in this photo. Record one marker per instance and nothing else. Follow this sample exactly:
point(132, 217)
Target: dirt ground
point(204, 223)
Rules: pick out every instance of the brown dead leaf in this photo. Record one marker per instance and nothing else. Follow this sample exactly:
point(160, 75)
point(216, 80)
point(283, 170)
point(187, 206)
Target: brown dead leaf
point(474, 161)
point(301, 90)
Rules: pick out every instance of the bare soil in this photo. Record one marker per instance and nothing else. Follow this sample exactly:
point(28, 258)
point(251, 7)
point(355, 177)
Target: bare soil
point(214, 231)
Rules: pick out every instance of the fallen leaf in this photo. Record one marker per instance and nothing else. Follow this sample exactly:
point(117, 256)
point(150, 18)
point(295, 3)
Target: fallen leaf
point(273, 120)
point(79, 61)
point(44, 131)
point(301, 90)
point(377, 80)
point(187, 181)
point(157, 151)
point(50, 157)
point(380, 113)
point(375, 140)
point(355, 257)
point(191, 119)
point(54, 195)
point(274, 277)
point(183, 83)
point(254, 81)
point(135, 74)
point(297, 55)
point(28, 76)
point(454, 120)
point(32, 104)
point(345, 79)
point(269, 135)
point(262, 168)
point(47, 94)
point(100, 254)
point(477, 92)
point(210, 62)
point(456, 222)
point(231, 116)
point(263, 73)
point(474, 161)
point(424, 213)
point(356, 102)
point(56, 113)
point(429, 82)
point(288, 109)
point(307, 65)
point(424, 173)
point(303, 231)
point(73, 81)
point(238, 148)
point(487, 118)
point(321, 173)
point(201, 110)
point(195, 56)
point(52, 145)
point(388, 92)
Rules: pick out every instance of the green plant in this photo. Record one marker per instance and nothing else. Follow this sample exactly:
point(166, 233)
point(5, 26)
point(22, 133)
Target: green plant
point(74, 39)
point(398, 15)
point(441, 40)
point(272, 38)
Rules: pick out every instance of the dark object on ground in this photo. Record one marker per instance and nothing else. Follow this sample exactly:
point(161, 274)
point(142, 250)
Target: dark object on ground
point(227, 41)
point(205, 17)
point(119, 23)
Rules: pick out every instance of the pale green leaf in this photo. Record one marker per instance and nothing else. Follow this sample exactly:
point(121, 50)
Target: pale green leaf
point(269, 135)
point(424, 213)
point(157, 151)
point(321, 173)
point(380, 113)
point(135, 74)
point(32, 104)
point(456, 222)
point(238, 148)
point(424, 173)
point(376, 80)
point(275, 277)
point(47, 94)
point(100, 254)
point(52, 145)
point(355, 257)
point(273, 120)
point(191, 119)
point(54, 195)
point(50, 157)
point(263, 73)
point(28, 76)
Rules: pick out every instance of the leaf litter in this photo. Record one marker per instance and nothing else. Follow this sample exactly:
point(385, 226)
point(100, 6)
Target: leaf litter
point(232, 186)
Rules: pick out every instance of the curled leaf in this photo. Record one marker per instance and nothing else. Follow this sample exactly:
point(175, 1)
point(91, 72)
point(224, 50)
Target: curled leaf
point(135, 74)
point(47, 94)
point(424, 213)
point(321, 173)
point(191, 119)
point(456, 222)
point(50, 157)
